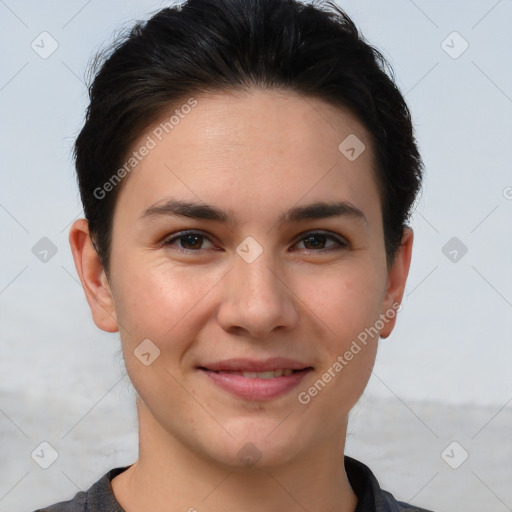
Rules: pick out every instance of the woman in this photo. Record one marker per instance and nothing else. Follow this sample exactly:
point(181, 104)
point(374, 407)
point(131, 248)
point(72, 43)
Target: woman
point(247, 169)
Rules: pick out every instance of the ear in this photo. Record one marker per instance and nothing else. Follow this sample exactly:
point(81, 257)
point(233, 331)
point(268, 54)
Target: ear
point(92, 276)
point(397, 276)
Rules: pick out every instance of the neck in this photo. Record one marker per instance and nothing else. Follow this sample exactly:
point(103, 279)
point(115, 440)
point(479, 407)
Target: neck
point(168, 476)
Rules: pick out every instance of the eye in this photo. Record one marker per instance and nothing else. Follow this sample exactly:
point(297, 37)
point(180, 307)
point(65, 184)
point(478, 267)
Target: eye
point(317, 241)
point(190, 241)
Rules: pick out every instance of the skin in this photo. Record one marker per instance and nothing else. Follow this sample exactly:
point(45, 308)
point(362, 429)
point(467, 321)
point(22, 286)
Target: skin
point(255, 154)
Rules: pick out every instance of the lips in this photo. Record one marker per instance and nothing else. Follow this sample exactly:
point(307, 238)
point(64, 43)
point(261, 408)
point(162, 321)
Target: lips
point(269, 374)
point(256, 379)
point(254, 365)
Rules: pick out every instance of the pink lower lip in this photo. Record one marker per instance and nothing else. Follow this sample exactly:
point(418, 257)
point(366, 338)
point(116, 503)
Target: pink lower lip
point(256, 389)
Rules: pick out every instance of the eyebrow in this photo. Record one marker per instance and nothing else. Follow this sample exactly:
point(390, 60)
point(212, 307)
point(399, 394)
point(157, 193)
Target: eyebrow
point(313, 211)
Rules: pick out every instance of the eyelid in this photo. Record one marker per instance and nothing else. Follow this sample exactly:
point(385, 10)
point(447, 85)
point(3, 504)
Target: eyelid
point(342, 242)
point(176, 236)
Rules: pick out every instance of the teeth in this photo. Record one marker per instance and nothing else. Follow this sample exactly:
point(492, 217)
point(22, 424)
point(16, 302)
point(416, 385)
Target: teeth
point(268, 374)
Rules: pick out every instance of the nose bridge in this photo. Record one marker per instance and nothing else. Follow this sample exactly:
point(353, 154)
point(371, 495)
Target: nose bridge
point(259, 274)
point(256, 298)
point(255, 279)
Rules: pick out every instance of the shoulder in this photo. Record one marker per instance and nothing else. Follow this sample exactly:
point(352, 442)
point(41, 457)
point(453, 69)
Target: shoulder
point(393, 505)
point(370, 495)
point(77, 504)
point(98, 498)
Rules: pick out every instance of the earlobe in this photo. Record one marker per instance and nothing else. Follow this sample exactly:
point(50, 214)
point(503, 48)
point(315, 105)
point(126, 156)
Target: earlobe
point(397, 277)
point(92, 276)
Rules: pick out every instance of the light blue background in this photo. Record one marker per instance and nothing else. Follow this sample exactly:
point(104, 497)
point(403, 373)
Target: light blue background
point(452, 344)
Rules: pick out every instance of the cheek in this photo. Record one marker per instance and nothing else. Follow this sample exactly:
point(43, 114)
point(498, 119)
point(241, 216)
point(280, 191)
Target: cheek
point(159, 302)
point(344, 302)
point(345, 310)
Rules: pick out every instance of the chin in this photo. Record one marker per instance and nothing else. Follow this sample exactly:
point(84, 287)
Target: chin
point(258, 445)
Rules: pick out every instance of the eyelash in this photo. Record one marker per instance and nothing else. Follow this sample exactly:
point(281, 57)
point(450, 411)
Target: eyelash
point(342, 244)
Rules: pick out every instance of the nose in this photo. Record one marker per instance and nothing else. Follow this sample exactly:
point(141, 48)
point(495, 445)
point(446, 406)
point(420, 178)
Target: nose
point(256, 299)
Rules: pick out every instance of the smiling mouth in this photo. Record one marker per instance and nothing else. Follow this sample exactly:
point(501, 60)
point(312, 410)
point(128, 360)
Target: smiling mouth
point(269, 374)
point(249, 384)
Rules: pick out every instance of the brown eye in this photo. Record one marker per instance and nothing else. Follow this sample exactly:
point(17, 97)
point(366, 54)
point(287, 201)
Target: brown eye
point(191, 241)
point(317, 242)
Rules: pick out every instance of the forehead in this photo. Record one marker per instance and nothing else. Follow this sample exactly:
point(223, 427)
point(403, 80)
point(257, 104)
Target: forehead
point(246, 149)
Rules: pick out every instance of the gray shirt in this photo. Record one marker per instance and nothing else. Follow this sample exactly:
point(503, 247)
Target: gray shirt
point(371, 498)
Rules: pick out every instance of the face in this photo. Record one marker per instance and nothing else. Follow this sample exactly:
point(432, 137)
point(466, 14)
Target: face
point(262, 279)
